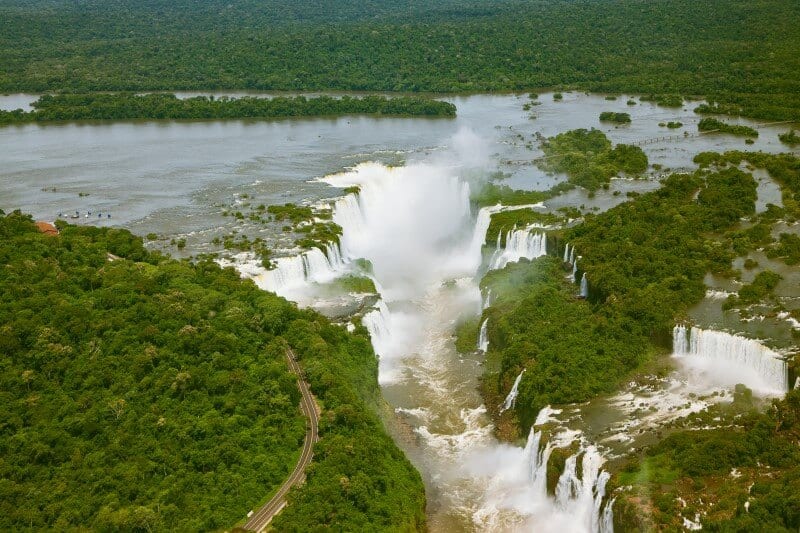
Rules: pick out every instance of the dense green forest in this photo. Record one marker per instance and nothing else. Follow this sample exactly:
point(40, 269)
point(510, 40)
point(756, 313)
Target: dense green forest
point(743, 54)
point(129, 106)
point(142, 393)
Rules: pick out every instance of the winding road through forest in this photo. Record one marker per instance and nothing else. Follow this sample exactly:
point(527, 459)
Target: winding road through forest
point(259, 519)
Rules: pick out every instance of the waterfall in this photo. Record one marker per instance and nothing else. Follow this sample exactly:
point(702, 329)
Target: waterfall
point(487, 301)
point(797, 383)
point(483, 341)
point(572, 255)
point(680, 341)
point(482, 223)
point(537, 463)
point(377, 323)
point(511, 399)
point(311, 266)
point(574, 271)
point(583, 497)
point(584, 287)
point(520, 244)
point(413, 223)
point(580, 498)
point(566, 253)
point(607, 522)
point(731, 359)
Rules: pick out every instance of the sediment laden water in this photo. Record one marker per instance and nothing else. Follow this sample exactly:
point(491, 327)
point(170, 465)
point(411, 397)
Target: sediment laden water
point(730, 359)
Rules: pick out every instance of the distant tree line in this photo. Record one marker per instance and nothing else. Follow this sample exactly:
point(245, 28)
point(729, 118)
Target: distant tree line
point(742, 55)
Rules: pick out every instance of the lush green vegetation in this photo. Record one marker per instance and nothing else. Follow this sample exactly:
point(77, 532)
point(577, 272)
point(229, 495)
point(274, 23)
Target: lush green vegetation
point(664, 100)
point(127, 106)
point(313, 225)
point(571, 352)
point(712, 125)
point(645, 262)
point(142, 393)
point(671, 125)
point(761, 288)
point(661, 48)
point(790, 137)
point(753, 457)
point(492, 194)
point(619, 118)
point(785, 170)
point(588, 159)
point(506, 220)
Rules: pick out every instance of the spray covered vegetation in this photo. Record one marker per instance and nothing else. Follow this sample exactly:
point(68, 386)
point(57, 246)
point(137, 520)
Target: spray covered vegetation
point(142, 393)
point(128, 106)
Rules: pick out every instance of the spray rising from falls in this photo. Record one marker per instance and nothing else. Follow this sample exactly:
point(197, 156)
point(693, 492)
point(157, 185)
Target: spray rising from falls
point(584, 286)
point(578, 502)
point(730, 359)
point(523, 243)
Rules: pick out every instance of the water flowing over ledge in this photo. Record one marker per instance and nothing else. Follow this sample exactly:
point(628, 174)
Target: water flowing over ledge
point(730, 359)
point(520, 243)
point(511, 399)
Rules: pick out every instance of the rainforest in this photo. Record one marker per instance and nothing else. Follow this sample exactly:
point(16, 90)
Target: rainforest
point(442, 266)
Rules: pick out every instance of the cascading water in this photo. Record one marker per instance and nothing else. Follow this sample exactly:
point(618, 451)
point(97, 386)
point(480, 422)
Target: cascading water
point(292, 273)
point(511, 399)
point(573, 277)
point(483, 339)
point(730, 359)
point(523, 243)
point(487, 301)
point(566, 253)
point(584, 286)
point(414, 225)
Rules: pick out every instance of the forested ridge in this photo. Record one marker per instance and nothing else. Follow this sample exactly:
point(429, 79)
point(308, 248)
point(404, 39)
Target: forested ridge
point(139, 393)
point(742, 54)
